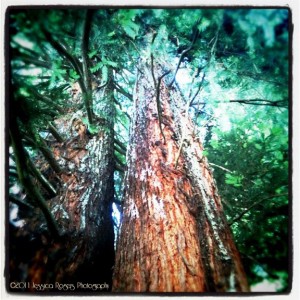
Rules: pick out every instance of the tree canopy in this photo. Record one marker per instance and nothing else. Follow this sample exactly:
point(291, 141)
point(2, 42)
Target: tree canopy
point(231, 66)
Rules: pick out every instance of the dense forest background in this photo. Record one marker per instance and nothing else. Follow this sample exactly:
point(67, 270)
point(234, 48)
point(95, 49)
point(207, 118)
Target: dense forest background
point(72, 75)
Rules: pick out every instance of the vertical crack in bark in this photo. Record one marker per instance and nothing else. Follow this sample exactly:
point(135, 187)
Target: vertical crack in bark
point(180, 248)
point(219, 254)
point(183, 239)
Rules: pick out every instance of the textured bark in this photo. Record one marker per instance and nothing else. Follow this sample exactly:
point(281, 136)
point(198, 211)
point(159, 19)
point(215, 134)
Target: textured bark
point(82, 208)
point(174, 236)
point(85, 207)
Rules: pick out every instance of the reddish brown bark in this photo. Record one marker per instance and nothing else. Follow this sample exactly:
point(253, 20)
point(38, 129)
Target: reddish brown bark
point(174, 236)
point(82, 208)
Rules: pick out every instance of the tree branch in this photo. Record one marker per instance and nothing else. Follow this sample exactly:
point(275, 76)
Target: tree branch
point(62, 51)
point(41, 145)
point(55, 133)
point(118, 149)
point(119, 168)
point(40, 177)
point(36, 62)
point(19, 202)
point(198, 90)
point(158, 103)
point(46, 100)
point(220, 167)
point(26, 181)
point(277, 103)
point(119, 89)
point(120, 144)
point(262, 102)
point(124, 112)
point(86, 73)
point(185, 51)
point(119, 162)
point(86, 92)
point(253, 205)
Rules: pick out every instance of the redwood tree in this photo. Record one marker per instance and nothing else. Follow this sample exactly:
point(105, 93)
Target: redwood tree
point(73, 76)
point(174, 235)
point(62, 144)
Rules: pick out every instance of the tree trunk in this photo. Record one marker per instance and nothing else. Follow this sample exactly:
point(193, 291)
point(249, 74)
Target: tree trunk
point(88, 197)
point(82, 208)
point(174, 236)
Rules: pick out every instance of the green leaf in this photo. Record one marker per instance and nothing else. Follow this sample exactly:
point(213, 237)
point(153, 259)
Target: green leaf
point(93, 53)
point(129, 26)
point(130, 32)
point(266, 132)
point(214, 144)
point(73, 74)
point(111, 34)
point(85, 121)
point(234, 180)
point(278, 155)
point(258, 146)
point(203, 25)
point(97, 67)
point(109, 62)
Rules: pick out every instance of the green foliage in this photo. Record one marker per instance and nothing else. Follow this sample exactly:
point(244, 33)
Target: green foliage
point(255, 149)
point(235, 180)
point(73, 75)
point(243, 54)
point(126, 19)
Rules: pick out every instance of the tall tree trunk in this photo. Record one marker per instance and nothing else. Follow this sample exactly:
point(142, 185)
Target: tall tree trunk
point(174, 236)
point(89, 195)
point(82, 208)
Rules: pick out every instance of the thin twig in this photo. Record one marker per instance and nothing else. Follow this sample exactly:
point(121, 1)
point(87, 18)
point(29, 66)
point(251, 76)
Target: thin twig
point(185, 51)
point(220, 167)
point(253, 205)
point(158, 102)
point(198, 90)
point(262, 102)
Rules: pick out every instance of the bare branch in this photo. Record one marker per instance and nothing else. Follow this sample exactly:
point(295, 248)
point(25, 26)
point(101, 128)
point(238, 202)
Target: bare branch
point(124, 112)
point(158, 102)
point(47, 100)
point(262, 102)
point(40, 177)
point(86, 73)
point(120, 144)
point(119, 89)
point(185, 51)
point(61, 50)
point(198, 90)
point(55, 133)
point(118, 149)
point(253, 205)
point(19, 202)
point(21, 160)
point(220, 167)
point(46, 152)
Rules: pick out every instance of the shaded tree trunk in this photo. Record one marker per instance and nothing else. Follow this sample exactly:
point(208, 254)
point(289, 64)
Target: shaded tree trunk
point(174, 236)
point(84, 251)
point(88, 197)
